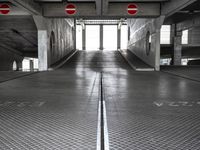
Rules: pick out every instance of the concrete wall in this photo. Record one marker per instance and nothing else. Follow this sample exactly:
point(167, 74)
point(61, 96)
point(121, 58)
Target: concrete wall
point(137, 44)
point(55, 40)
point(63, 38)
point(19, 38)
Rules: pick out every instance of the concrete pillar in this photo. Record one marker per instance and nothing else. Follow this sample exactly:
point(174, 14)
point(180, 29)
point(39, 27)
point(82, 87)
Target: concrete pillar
point(101, 37)
point(119, 38)
point(74, 34)
point(156, 39)
point(84, 38)
point(129, 33)
point(31, 65)
point(43, 51)
point(177, 56)
point(172, 33)
point(176, 40)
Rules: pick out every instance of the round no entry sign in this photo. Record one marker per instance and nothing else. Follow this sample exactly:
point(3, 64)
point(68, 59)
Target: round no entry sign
point(4, 9)
point(132, 9)
point(70, 9)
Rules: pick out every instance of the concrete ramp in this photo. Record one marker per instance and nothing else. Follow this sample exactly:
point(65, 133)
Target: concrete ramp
point(135, 62)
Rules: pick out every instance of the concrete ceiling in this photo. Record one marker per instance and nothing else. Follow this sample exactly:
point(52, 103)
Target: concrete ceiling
point(190, 11)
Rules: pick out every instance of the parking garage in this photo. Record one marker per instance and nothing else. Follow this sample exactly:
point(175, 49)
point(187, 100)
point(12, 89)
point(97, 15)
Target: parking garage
point(99, 74)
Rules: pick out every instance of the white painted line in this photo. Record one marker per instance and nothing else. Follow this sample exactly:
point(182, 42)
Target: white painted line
point(106, 138)
point(99, 128)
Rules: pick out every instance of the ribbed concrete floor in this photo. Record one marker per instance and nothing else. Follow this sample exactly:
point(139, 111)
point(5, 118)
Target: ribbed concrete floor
point(189, 72)
point(10, 75)
point(58, 110)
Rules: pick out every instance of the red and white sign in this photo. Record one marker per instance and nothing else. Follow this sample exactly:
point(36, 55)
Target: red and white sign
point(132, 9)
point(70, 9)
point(4, 9)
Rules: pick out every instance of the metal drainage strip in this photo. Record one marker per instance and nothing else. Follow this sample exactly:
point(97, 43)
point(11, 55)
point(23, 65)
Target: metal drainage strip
point(102, 128)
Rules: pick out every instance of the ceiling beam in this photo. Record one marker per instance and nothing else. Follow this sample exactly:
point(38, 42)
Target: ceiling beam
point(173, 6)
point(116, 10)
point(14, 10)
point(192, 22)
point(99, 7)
point(28, 5)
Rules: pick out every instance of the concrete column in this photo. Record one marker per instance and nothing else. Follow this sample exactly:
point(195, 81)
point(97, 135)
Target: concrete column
point(156, 39)
point(172, 33)
point(43, 51)
point(101, 37)
point(84, 38)
point(129, 33)
point(74, 34)
point(177, 56)
point(31, 65)
point(119, 38)
point(176, 39)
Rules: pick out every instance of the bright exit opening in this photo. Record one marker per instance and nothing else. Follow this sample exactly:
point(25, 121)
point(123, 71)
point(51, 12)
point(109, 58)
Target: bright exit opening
point(110, 37)
point(92, 37)
point(101, 34)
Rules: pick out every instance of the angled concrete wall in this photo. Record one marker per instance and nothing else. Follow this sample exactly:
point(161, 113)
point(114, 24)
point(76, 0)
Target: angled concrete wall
point(55, 40)
point(139, 28)
point(63, 38)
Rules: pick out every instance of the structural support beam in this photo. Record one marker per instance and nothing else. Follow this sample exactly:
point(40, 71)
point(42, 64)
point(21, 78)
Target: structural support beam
point(101, 37)
point(74, 34)
point(105, 4)
point(171, 7)
point(128, 28)
point(177, 56)
point(176, 40)
point(31, 65)
point(104, 9)
point(99, 7)
point(43, 52)
point(119, 37)
point(190, 23)
point(84, 38)
point(28, 5)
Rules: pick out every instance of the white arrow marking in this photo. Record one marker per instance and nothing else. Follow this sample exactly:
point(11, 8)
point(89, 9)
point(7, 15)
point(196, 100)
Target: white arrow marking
point(159, 104)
